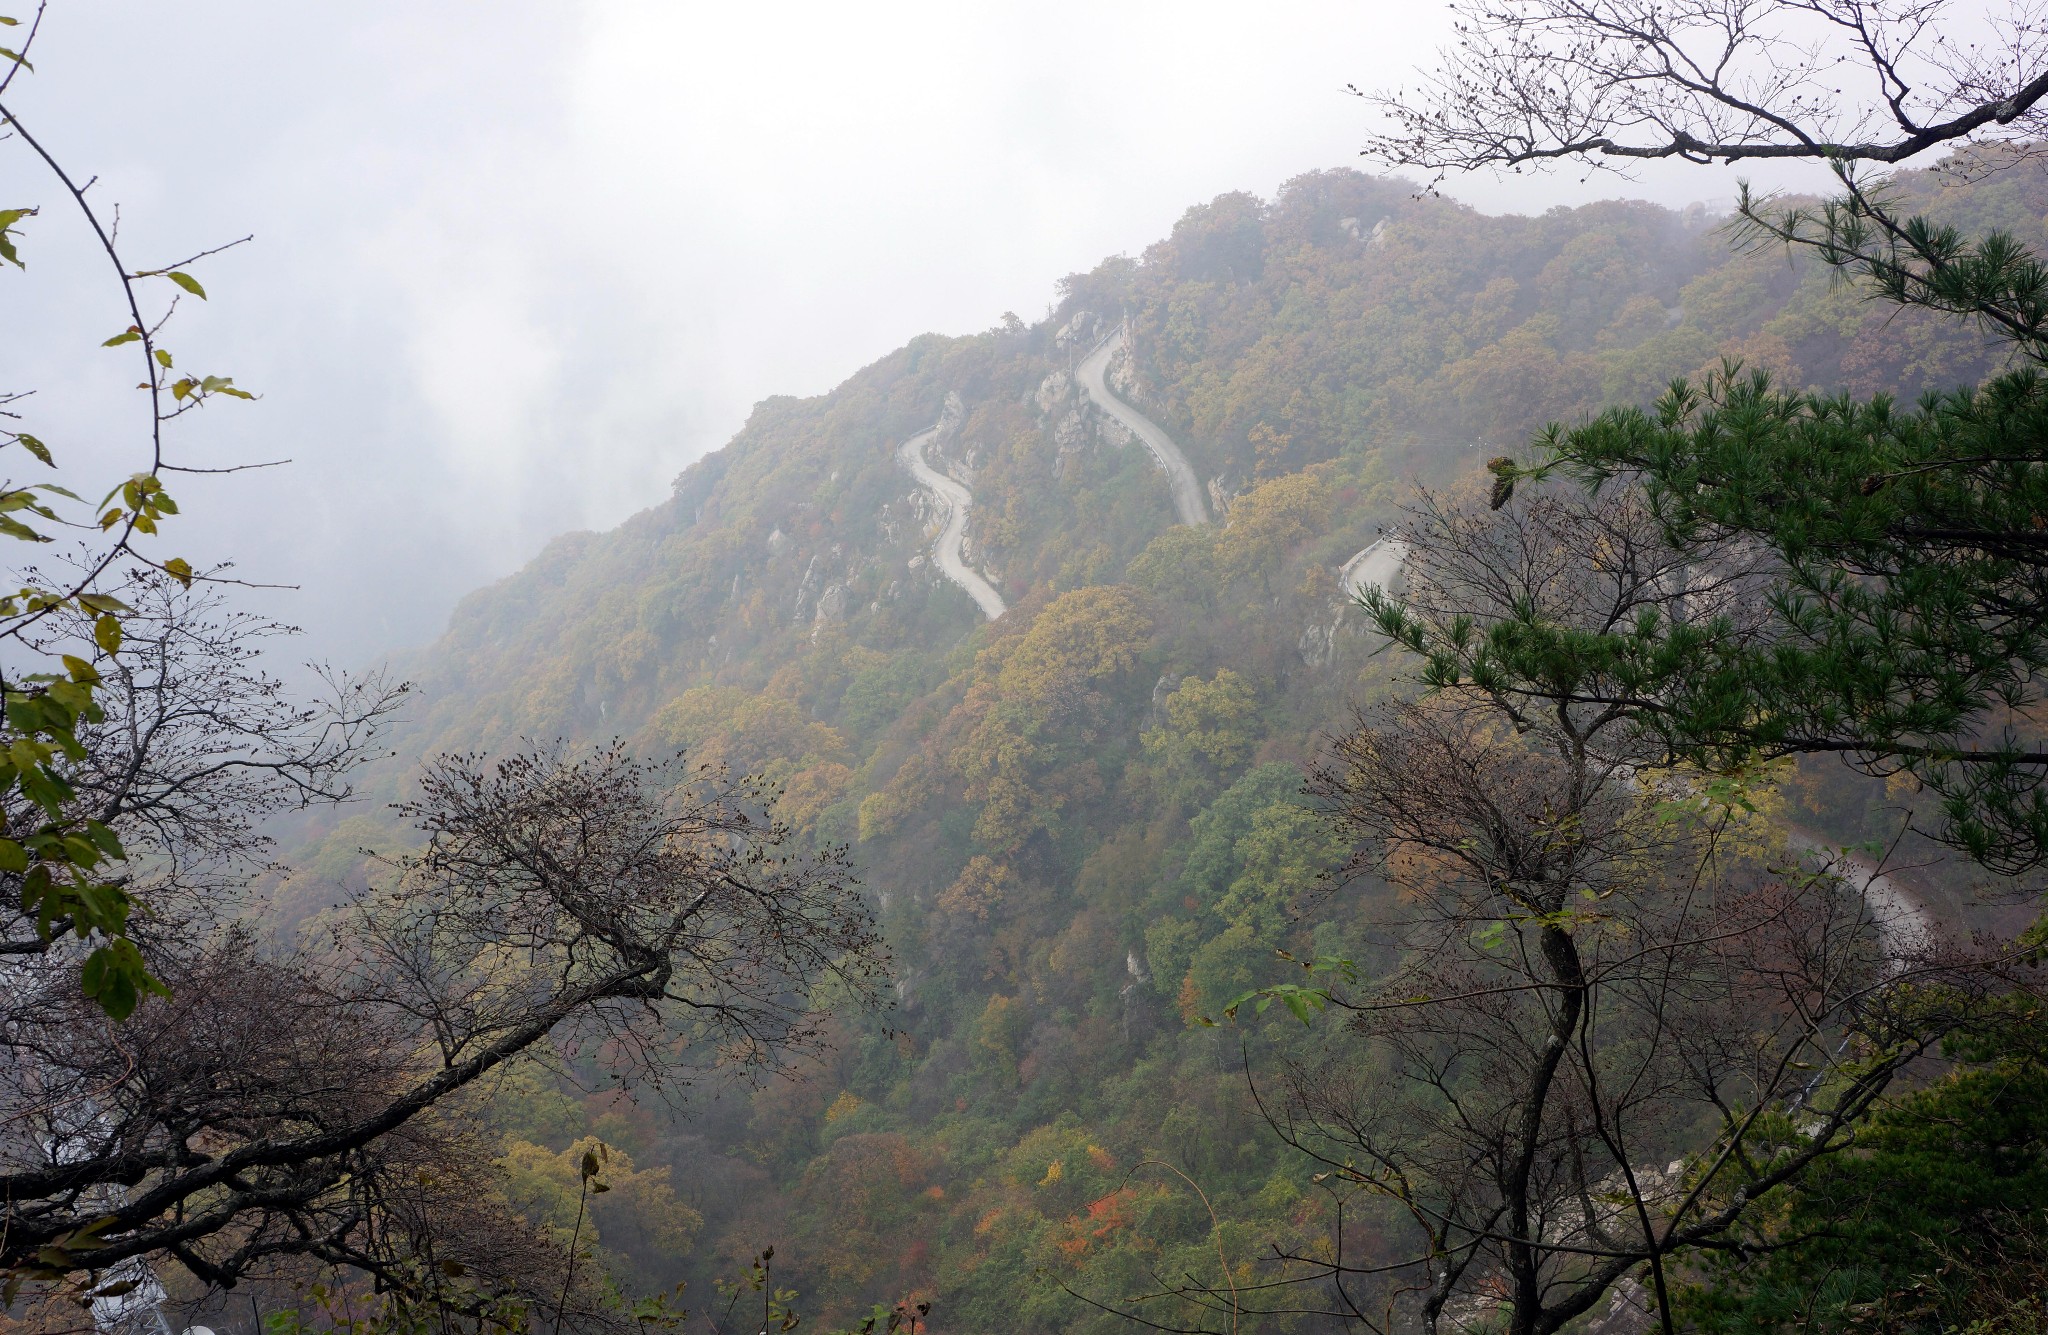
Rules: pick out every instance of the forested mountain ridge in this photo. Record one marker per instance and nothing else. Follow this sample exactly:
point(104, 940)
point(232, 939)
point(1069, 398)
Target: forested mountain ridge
point(1079, 821)
point(1267, 339)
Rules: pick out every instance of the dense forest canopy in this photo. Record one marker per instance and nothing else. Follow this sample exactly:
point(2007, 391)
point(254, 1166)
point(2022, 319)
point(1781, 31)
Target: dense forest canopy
point(1298, 339)
point(1082, 824)
point(1379, 768)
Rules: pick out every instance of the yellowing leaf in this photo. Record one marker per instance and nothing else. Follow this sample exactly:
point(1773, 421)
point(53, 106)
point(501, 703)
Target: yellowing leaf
point(188, 282)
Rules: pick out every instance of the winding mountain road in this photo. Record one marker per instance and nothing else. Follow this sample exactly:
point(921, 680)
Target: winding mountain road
point(954, 499)
point(1187, 490)
point(1375, 567)
point(1902, 923)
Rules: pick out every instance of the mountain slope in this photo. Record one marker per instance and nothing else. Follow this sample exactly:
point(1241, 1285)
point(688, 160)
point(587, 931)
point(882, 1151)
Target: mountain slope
point(1077, 819)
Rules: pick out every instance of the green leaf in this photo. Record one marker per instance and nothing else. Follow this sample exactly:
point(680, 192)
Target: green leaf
point(128, 335)
point(107, 983)
point(17, 58)
point(35, 894)
point(106, 840)
point(179, 569)
point(35, 447)
point(189, 283)
point(114, 977)
point(106, 633)
point(100, 602)
point(16, 529)
point(163, 358)
point(13, 857)
point(9, 217)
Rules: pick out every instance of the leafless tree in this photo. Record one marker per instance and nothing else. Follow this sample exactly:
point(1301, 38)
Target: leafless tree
point(304, 1104)
point(1584, 1061)
point(200, 744)
point(314, 1103)
point(1858, 84)
point(110, 1122)
point(1615, 1015)
point(1612, 82)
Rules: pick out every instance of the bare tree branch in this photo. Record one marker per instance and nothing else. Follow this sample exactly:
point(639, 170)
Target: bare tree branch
point(1529, 83)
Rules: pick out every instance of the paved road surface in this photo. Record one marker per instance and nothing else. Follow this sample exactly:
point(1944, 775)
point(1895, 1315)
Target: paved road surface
point(1187, 492)
point(954, 500)
point(1902, 923)
point(1375, 567)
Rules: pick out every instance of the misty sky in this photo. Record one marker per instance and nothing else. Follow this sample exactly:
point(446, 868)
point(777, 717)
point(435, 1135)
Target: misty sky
point(517, 264)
